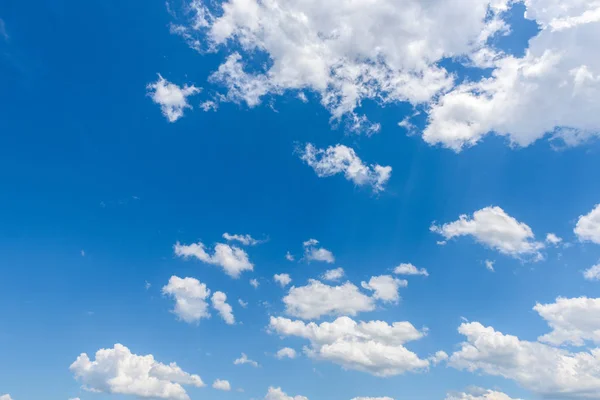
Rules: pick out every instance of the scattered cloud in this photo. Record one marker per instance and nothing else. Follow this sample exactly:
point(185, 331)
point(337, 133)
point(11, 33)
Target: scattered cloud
point(245, 360)
point(171, 98)
point(219, 303)
point(221, 385)
point(4, 35)
point(286, 352)
point(592, 273)
point(289, 256)
point(479, 394)
point(254, 283)
point(552, 239)
point(386, 288)
point(5, 396)
point(246, 240)
point(243, 303)
point(341, 159)
point(372, 398)
point(118, 371)
point(573, 321)
point(314, 253)
point(232, 259)
point(489, 264)
point(190, 298)
point(278, 394)
point(588, 226)
point(438, 357)
point(496, 229)
point(282, 279)
point(409, 269)
point(209, 105)
point(82, 252)
point(333, 275)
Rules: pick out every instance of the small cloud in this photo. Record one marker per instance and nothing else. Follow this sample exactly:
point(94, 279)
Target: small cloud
point(209, 105)
point(171, 98)
point(409, 269)
point(82, 252)
point(147, 285)
point(552, 239)
point(286, 352)
point(593, 273)
point(289, 256)
point(243, 303)
point(254, 283)
point(302, 97)
point(245, 360)
point(314, 253)
point(222, 385)
point(489, 264)
point(282, 279)
point(333, 274)
point(3, 32)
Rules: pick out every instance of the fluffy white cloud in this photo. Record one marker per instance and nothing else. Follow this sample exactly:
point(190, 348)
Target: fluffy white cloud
point(171, 98)
point(246, 240)
point(409, 269)
point(341, 159)
point(374, 347)
point(573, 321)
point(232, 259)
point(588, 226)
point(314, 253)
point(118, 371)
point(190, 298)
point(245, 360)
point(592, 273)
point(317, 299)
point(219, 303)
point(221, 385)
point(438, 357)
point(553, 239)
point(480, 394)
point(385, 287)
point(286, 352)
point(282, 279)
point(278, 394)
point(544, 369)
point(372, 398)
point(5, 397)
point(493, 227)
point(333, 274)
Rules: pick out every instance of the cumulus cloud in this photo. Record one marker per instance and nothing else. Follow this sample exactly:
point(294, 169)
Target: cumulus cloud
point(314, 253)
point(232, 259)
point(317, 299)
point(409, 269)
point(278, 394)
point(282, 279)
point(286, 352)
point(340, 159)
point(246, 240)
point(375, 347)
point(219, 303)
point(333, 274)
point(118, 371)
point(493, 227)
point(552, 239)
point(385, 287)
point(372, 398)
point(573, 321)
point(592, 273)
point(190, 298)
point(171, 98)
point(480, 394)
point(588, 226)
point(438, 357)
point(5, 397)
point(221, 385)
point(245, 360)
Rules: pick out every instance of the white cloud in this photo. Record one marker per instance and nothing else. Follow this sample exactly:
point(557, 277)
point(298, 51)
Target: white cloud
point(409, 269)
point(289, 256)
point(341, 159)
point(243, 303)
point(5, 396)
point(219, 303)
point(73, 398)
point(118, 371)
point(588, 226)
point(438, 357)
point(286, 352)
point(190, 298)
point(489, 264)
point(245, 360)
point(480, 394)
point(254, 283)
point(372, 398)
point(385, 287)
point(551, 238)
point(592, 273)
point(317, 299)
point(282, 279)
point(333, 274)
point(221, 385)
point(171, 98)
point(232, 259)
point(314, 253)
point(573, 321)
point(493, 227)
point(278, 394)
point(246, 240)
point(374, 347)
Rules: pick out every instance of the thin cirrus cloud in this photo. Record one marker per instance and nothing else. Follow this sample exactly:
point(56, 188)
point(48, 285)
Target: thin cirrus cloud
point(171, 98)
point(233, 260)
point(119, 371)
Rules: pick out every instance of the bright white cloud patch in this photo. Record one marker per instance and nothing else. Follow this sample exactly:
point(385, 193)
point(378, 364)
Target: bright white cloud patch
point(588, 226)
point(438, 357)
point(171, 98)
point(374, 347)
point(278, 394)
point(246, 240)
point(245, 360)
point(592, 273)
point(573, 321)
point(318, 299)
point(232, 259)
point(340, 159)
point(480, 394)
point(286, 352)
point(220, 384)
point(385, 287)
point(372, 398)
point(118, 371)
point(314, 253)
point(282, 279)
point(5, 397)
point(409, 269)
point(494, 228)
point(219, 303)
point(333, 274)
point(552, 239)
point(190, 298)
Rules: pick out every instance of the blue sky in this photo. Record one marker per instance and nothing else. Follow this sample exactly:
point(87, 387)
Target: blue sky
point(98, 186)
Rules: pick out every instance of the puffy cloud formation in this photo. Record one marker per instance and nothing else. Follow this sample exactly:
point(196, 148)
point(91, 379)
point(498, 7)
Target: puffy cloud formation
point(588, 226)
point(317, 299)
point(385, 288)
point(245, 360)
point(372, 398)
point(480, 394)
point(340, 159)
point(118, 371)
point(551, 238)
point(333, 274)
point(171, 98)
point(221, 385)
point(592, 273)
point(493, 227)
point(278, 394)
point(374, 347)
point(232, 259)
point(438, 357)
point(286, 352)
point(219, 302)
point(314, 253)
point(5, 397)
point(409, 269)
point(246, 240)
point(190, 298)
point(573, 321)
point(282, 279)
